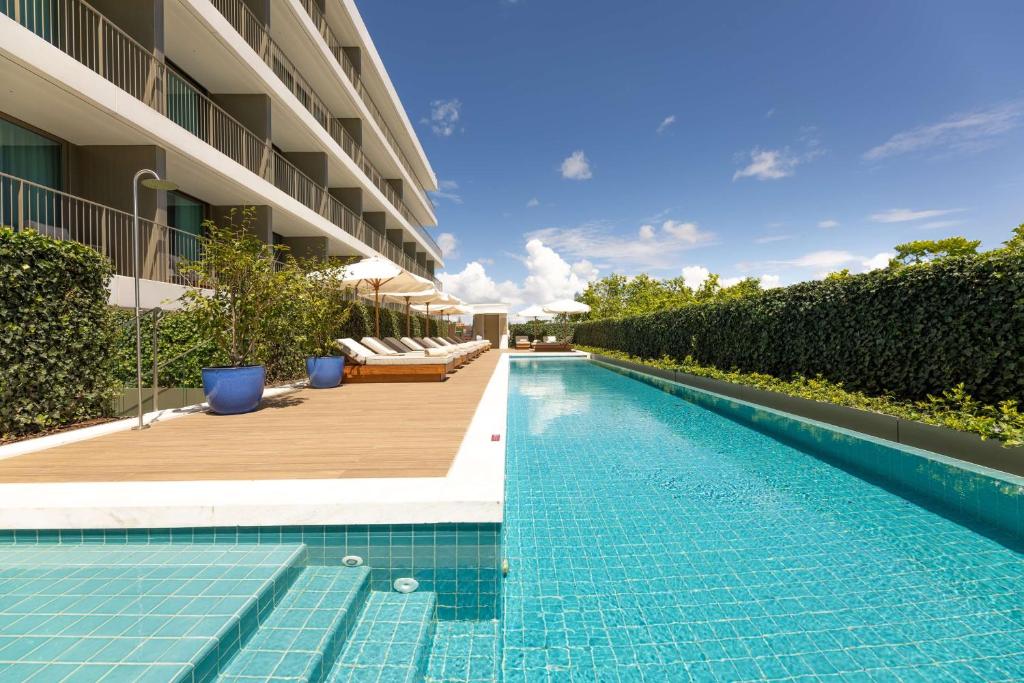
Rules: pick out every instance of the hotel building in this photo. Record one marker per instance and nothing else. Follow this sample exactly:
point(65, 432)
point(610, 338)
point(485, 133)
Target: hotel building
point(283, 105)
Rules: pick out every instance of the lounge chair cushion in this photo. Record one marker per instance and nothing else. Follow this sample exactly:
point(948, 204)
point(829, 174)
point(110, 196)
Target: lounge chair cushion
point(378, 347)
point(355, 350)
point(396, 345)
point(428, 343)
point(419, 347)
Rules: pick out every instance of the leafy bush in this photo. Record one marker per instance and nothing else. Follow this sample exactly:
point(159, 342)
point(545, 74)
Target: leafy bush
point(536, 330)
point(179, 332)
point(55, 333)
point(910, 332)
point(954, 408)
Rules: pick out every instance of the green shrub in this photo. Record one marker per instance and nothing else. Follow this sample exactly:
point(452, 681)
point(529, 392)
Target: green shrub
point(180, 331)
point(954, 408)
point(910, 332)
point(537, 330)
point(55, 333)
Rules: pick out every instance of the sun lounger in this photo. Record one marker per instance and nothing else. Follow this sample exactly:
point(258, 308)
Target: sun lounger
point(522, 343)
point(368, 366)
point(460, 355)
point(476, 347)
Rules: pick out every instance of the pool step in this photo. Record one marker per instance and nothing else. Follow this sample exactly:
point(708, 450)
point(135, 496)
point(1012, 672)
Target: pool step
point(300, 639)
point(391, 641)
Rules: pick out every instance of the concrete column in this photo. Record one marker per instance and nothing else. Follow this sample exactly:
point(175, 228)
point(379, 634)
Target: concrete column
point(143, 20)
point(261, 10)
point(354, 127)
point(376, 220)
point(352, 197)
point(356, 57)
point(397, 185)
point(103, 174)
point(306, 247)
point(262, 227)
point(252, 111)
point(313, 164)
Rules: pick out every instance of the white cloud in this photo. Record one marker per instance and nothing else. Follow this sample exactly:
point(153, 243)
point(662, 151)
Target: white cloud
point(444, 116)
point(905, 215)
point(935, 225)
point(768, 239)
point(729, 281)
point(474, 285)
point(694, 276)
point(447, 189)
point(685, 232)
point(768, 164)
point(770, 281)
point(549, 277)
point(770, 113)
point(828, 223)
point(827, 258)
point(577, 167)
point(665, 123)
point(448, 244)
point(533, 203)
point(597, 242)
point(961, 132)
point(879, 260)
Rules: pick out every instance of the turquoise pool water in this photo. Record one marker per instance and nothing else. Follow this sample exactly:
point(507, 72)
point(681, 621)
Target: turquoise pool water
point(654, 540)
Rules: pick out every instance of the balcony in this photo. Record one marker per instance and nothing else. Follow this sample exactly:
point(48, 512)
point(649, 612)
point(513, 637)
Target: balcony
point(256, 36)
point(27, 205)
point(335, 47)
point(77, 29)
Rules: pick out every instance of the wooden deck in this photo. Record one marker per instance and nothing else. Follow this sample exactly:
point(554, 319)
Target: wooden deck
point(363, 430)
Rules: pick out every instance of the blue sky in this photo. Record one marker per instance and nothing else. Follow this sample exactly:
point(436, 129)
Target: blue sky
point(784, 140)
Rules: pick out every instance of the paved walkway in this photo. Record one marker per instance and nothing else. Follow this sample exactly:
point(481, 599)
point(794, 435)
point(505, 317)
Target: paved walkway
point(359, 430)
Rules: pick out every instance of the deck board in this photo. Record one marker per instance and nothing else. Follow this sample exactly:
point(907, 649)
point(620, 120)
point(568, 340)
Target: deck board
point(358, 430)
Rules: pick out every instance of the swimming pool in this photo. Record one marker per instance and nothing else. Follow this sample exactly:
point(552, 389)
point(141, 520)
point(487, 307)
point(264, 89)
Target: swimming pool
point(653, 539)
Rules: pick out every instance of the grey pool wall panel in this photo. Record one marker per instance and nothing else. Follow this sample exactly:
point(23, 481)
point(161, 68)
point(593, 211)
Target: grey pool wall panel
point(990, 497)
point(942, 440)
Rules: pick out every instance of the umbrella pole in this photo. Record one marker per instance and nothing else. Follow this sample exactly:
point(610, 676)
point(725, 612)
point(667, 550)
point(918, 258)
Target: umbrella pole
point(376, 309)
point(408, 317)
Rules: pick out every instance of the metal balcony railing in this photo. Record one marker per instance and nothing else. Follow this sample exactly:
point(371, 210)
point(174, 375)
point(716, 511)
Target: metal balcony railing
point(24, 204)
point(77, 29)
point(336, 49)
point(252, 30)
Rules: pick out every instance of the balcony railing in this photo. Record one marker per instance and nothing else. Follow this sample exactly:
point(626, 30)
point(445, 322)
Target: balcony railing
point(24, 204)
point(252, 30)
point(77, 29)
point(336, 49)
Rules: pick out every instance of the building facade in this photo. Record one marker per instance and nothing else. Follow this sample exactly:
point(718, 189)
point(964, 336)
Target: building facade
point(282, 105)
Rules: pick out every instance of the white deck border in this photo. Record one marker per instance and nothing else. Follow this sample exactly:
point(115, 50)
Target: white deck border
point(473, 490)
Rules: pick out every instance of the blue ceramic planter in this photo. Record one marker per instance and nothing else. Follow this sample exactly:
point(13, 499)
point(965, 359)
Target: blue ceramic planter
point(231, 391)
point(325, 371)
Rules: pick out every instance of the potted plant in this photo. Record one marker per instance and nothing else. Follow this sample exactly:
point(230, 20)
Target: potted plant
point(325, 308)
point(235, 301)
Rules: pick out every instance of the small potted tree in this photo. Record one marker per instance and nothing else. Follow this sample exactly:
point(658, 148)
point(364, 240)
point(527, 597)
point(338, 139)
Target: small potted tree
point(325, 310)
point(236, 301)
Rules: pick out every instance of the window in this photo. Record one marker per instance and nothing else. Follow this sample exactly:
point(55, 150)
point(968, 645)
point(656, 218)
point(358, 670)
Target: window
point(186, 215)
point(31, 156)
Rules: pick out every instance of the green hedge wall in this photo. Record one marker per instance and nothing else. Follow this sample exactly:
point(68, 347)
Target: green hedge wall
point(530, 329)
point(55, 334)
point(909, 331)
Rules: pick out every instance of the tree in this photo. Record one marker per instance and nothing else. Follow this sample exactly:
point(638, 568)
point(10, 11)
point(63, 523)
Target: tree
point(923, 251)
point(839, 274)
point(1016, 241)
point(748, 286)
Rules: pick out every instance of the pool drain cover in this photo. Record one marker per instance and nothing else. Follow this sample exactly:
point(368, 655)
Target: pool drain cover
point(352, 561)
point(406, 585)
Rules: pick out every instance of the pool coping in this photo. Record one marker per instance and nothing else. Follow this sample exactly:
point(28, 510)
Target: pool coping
point(472, 491)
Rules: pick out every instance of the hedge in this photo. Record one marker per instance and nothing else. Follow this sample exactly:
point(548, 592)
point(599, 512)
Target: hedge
point(536, 330)
point(179, 333)
point(55, 334)
point(909, 332)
